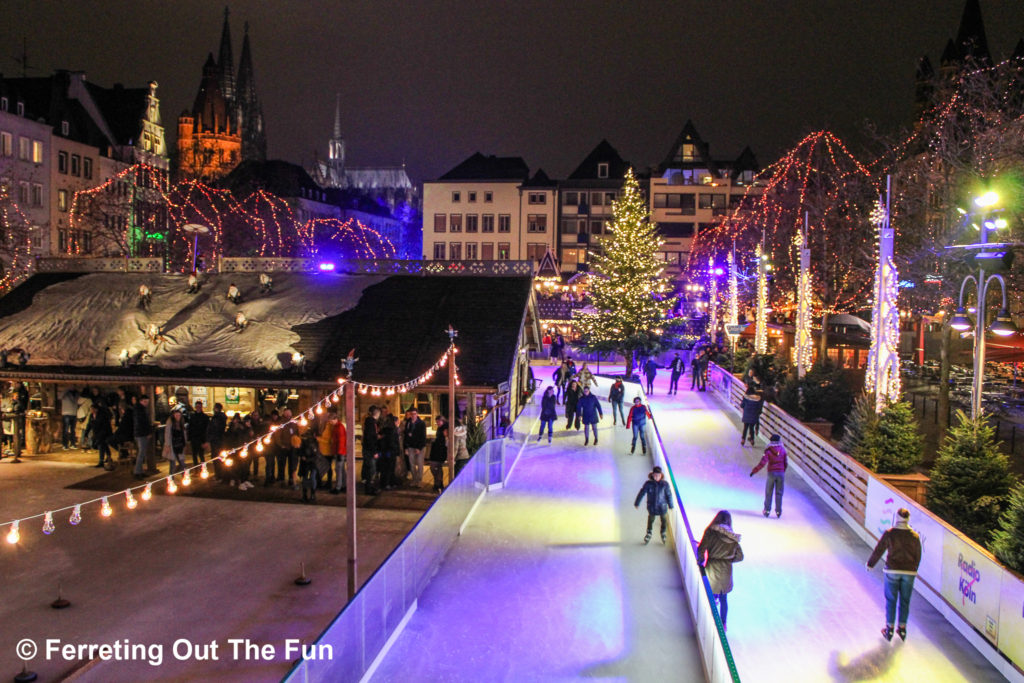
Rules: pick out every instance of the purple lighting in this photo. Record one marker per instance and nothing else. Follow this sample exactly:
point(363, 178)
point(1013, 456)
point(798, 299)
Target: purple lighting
point(718, 271)
point(326, 267)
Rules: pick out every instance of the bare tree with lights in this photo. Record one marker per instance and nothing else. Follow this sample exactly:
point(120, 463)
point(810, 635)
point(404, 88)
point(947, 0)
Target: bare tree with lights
point(628, 291)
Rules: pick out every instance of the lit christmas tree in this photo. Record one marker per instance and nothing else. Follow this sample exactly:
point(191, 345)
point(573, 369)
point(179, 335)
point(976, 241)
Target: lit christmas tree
point(628, 292)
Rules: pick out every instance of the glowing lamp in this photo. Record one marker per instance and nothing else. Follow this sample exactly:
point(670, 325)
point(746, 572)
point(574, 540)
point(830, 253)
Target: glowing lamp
point(1000, 223)
point(147, 492)
point(259, 446)
point(986, 200)
point(960, 322)
point(228, 462)
point(203, 472)
point(13, 536)
point(129, 500)
point(186, 478)
point(1003, 325)
point(105, 508)
point(326, 267)
point(171, 486)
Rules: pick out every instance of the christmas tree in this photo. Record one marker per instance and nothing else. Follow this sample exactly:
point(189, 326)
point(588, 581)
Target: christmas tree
point(971, 480)
point(1008, 540)
point(888, 443)
point(627, 291)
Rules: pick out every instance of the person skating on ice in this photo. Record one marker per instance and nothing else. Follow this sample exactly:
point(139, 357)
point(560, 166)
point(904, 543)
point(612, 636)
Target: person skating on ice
point(589, 410)
point(659, 502)
point(637, 419)
point(718, 550)
point(548, 412)
point(775, 458)
point(902, 548)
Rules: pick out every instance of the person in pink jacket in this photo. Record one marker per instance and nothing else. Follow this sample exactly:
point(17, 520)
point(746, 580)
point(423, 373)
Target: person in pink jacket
point(775, 458)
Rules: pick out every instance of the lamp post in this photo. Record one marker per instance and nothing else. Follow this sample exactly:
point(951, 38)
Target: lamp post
point(995, 256)
point(350, 472)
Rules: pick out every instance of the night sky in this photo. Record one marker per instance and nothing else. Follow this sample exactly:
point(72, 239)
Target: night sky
point(429, 83)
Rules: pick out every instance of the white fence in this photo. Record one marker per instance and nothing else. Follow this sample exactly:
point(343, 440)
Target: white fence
point(73, 264)
point(982, 599)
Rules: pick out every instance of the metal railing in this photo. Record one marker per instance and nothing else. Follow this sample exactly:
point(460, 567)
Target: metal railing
point(378, 266)
point(74, 264)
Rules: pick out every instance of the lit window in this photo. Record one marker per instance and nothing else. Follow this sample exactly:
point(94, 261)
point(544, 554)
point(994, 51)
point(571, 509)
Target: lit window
point(62, 200)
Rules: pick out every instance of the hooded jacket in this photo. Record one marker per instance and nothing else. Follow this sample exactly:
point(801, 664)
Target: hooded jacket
point(719, 548)
point(589, 408)
point(775, 457)
point(659, 496)
point(752, 407)
point(548, 411)
point(617, 392)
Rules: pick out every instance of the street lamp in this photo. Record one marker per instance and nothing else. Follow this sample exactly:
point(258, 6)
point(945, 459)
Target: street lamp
point(987, 256)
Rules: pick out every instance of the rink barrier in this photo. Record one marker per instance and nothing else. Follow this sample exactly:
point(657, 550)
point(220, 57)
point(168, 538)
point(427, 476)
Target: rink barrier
point(72, 264)
point(363, 632)
point(979, 597)
point(716, 655)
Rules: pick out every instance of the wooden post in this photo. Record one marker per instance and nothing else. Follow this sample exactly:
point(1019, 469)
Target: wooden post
point(451, 413)
point(350, 478)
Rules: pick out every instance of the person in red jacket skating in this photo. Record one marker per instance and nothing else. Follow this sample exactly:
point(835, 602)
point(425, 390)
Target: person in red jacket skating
point(775, 458)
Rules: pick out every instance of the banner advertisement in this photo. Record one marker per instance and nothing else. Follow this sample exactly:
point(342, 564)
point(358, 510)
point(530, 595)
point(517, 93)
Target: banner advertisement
point(880, 514)
point(1011, 618)
point(972, 583)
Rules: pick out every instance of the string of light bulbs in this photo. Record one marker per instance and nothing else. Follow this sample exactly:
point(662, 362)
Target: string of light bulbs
point(226, 456)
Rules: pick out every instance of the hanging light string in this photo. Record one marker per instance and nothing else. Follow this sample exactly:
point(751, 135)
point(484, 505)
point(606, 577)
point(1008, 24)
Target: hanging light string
point(226, 456)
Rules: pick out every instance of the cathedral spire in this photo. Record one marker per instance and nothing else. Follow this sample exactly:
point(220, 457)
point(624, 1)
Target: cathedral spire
point(254, 138)
point(337, 116)
point(970, 37)
point(226, 62)
point(336, 145)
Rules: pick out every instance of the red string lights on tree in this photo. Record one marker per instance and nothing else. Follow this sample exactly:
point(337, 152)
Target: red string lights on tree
point(255, 446)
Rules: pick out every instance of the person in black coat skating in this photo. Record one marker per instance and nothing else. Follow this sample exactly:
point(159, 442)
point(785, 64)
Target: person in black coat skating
point(659, 502)
point(548, 412)
point(572, 398)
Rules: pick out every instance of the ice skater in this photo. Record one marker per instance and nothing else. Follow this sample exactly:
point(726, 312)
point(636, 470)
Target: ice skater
point(902, 548)
point(678, 367)
point(659, 502)
point(752, 405)
point(637, 419)
point(650, 372)
point(234, 295)
point(775, 458)
point(145, 297)
point(266, 284)
point(589, 409)
point(193, 283)
point(718, 550)
point(548, 412)
point(616, 395)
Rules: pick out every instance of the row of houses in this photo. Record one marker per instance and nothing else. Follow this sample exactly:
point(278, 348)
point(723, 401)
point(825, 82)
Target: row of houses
point(495, 208)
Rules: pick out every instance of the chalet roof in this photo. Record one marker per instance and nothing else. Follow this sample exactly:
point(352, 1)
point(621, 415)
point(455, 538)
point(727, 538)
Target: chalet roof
point(123, 108)
point(480, 167)
point(675, 158)
point(282, 178)
point(603, 153)
point(76, 325)
point(540, 179)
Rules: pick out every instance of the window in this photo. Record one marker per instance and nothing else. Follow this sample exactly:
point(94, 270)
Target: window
point(488, 197)
point(37, 194)
point(62, 200)
point(62, 162)
point(456, 197)
point(569, 226)
point(87, 168)
point(675, 229)
point(595, 227)
point(571, 199)
point(688, 152)
point(504, 249)
point(746, 178)
point(504, 223)
point(440, 222)
point(455, 222)
point(21, 108)
point(439, 251)
point(571, 257)
point(602, 170)
point(596, 198)
point(679, 203)
point(609, 197)
point(37, 151)
point(537, 222)
point(488, 224)
point(535, 251)
point(471, 253)
point(87, 242)
point(24, 149)
point(472, 222)
point(487, 251)
point(537, 198)
point(3, 104)
point(23, 193)
point(471, 196)
point(62, 240)
point(76, 165)
point(712, 201)
point(455, 251)
point(64, 128)
point(6, 144)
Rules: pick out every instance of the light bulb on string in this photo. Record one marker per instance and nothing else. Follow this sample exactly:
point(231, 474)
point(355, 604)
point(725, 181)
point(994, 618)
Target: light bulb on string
point(105, 508)
point(244, 453)
point(186, 478)
point(319, 408)
point(171, 486)
point(147, 492)
point(226, 459)
point(259, 446)
point(303, 421)
point(13, 536)
point(48, 525)
point(129, 500)
point(203, 472)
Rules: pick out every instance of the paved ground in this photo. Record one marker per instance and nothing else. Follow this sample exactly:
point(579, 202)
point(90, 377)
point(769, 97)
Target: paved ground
point(551, 580)
point(176, 567)
point(804, 607)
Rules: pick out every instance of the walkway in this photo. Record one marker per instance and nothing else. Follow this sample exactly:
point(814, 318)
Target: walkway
point(550, 580)
point(804, 607)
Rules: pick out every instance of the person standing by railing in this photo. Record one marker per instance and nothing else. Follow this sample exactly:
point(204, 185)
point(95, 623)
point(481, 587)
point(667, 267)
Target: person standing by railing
point(902, 546)
point(775, 458)
point(719, 548)
point(751, 406)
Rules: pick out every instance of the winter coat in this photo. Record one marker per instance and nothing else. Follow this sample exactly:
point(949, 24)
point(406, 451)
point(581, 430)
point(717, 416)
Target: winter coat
point(775, 458)
point(721, 546)
point(371, 437)
point(752, 407)
point(589, 408)
point(101, 423)
point(651, 368)
point(659, 496)
point(174, 438)
point(585, 378)
point(84, 408)
point(414, 434)
point(903, 546)
point(561, 375)
point(439, 449)
point(638, 415)
point(548, 409)
point(617, 393)
point(141, 422)
point(678, 366)
point(389, 438)
point(69, 403)
point(198, 423)
point(215, 430)
point(325, 440)
point(340, 439)
point(461, 452)
point(125, 428)
point(571, 399)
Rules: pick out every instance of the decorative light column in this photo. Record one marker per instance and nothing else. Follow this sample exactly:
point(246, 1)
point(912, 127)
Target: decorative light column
point(712, 300)
point(803, 342)
point(734, 303)
point(761, 325)
point(883, 371)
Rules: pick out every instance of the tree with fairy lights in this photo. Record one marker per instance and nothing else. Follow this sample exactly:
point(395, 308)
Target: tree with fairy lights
point(627, 291)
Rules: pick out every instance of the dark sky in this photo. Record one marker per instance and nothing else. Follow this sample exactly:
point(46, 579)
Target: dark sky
point(431, 82)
